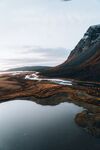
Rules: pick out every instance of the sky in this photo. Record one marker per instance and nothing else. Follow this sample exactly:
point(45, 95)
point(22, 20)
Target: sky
point(43, 32)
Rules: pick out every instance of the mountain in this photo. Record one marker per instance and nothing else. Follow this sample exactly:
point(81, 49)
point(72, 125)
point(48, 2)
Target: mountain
point(84, 61)
point(31, 68)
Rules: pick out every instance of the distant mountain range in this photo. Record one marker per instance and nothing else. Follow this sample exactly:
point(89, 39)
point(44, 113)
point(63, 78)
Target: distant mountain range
point(83, 62)
point(31, 68)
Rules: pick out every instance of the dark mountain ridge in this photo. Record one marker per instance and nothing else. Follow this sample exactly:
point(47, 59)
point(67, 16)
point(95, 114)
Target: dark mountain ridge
point(84, 61)
point(31, 68)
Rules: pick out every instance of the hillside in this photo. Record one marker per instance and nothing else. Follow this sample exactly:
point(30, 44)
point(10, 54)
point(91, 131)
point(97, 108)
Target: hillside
point(84, 61)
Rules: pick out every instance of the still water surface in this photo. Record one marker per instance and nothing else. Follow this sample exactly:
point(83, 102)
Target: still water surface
point(25, 125)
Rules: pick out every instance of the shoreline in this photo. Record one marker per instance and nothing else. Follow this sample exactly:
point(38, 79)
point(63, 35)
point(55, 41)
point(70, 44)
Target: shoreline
point(15, 85)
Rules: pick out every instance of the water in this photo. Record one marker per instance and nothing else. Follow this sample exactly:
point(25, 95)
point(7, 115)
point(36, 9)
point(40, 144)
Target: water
point(25, 125)
point(35, 76)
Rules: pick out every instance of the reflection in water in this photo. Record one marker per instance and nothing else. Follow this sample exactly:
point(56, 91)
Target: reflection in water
point(25, 125)
point(89, 119)
point(90, 122)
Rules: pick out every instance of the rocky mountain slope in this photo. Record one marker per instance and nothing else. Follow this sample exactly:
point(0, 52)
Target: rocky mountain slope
point(84, 61)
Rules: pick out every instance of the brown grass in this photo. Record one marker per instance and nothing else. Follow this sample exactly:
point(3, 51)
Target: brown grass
point(16, 86)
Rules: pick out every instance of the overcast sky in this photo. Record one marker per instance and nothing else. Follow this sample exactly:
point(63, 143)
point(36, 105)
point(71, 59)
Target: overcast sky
point(42, 32)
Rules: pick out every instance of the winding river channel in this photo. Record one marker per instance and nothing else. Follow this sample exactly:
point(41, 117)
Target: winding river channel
point(35, 76)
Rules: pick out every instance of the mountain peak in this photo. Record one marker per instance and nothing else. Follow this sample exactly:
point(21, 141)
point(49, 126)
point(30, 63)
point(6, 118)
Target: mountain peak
point(90, 38)
point(95, 26)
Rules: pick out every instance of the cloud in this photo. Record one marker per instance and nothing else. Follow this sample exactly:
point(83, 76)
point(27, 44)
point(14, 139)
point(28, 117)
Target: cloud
point(47, 52)
point(33, 56)
point(57, 54)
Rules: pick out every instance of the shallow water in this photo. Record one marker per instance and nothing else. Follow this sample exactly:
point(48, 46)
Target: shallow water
point(25, 125)
point(35, 76)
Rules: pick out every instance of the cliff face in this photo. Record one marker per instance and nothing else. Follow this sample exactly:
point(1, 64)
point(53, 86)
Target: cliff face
point(84, 61)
